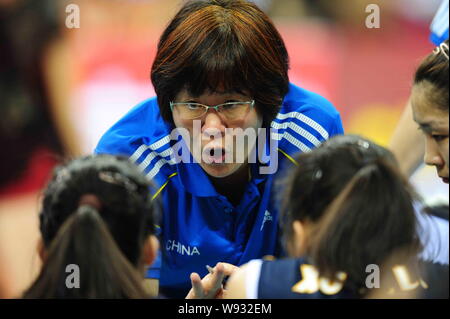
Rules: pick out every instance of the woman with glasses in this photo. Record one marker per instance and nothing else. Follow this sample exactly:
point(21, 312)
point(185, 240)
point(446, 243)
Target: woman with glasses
point(224, 123)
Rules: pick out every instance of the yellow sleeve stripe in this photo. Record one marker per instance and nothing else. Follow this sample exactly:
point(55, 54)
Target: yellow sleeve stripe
point(289, 157)
point(162, 187)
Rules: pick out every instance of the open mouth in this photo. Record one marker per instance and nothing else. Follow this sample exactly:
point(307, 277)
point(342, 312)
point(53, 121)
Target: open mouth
point(214, 155)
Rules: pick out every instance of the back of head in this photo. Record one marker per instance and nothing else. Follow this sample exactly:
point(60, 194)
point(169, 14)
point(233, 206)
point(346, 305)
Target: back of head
point(97, 214)
point(360, 206)
point(222, 46)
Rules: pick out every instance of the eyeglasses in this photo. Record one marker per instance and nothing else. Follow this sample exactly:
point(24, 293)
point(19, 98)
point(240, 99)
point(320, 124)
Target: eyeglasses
point(230, 110)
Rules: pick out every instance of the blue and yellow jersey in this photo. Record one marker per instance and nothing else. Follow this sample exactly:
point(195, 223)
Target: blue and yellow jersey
point(199, 226)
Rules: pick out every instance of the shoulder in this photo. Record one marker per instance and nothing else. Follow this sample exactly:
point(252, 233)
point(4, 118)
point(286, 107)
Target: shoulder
point(144, 137)
point(142, 124)
point(301, 99)
point(305, 120)
point(301, 104)
point(246, 282)
point(298, 278)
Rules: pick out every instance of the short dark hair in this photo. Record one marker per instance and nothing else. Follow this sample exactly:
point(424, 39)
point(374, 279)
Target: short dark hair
point(222, 46)
point(434, 70)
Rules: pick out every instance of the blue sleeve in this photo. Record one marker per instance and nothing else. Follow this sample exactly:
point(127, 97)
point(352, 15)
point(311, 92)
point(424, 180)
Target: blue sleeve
point(439, 26)
point(337, 128)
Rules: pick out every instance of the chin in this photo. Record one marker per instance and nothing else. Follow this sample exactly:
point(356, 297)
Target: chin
point(219, 170)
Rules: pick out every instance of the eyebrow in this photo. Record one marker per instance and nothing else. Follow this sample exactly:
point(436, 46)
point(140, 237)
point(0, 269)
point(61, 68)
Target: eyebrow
point(425, 128)
point(429, 127)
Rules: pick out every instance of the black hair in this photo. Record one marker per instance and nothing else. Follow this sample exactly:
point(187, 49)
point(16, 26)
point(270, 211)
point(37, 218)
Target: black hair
point(434, 70)
point(222, 46)
point(105, 241)
point(359, 203)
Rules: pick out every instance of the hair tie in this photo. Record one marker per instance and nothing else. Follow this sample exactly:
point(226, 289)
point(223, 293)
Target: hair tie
point(441, 48)
point(118, 179)
point(62, 175)
point(364, 144)
point(317, 175)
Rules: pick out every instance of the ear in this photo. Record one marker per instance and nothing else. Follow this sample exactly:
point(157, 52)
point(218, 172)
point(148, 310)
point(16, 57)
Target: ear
point(150, 250)
point(299, 240)
point(41, 250)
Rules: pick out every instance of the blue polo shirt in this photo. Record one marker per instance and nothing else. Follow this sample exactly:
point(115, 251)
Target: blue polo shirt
point(199, 226)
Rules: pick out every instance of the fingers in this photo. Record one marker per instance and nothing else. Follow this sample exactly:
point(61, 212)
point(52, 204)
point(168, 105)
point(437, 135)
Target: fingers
point(197, 286)
point(211, 285)
point(228, 269)
point(214, 285)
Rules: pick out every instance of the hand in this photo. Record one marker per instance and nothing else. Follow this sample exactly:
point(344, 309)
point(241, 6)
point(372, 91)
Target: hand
point(210, 287)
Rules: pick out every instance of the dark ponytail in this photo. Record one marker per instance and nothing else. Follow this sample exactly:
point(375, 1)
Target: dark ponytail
point(356, 203)
point(85, 241)
point(371, 218)
point(97, 214)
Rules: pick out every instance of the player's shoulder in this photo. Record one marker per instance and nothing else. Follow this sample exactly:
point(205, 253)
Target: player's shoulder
point(298, 278)
point(141, 125)
point(307, 102)
point(144, 137)
point(305, 120)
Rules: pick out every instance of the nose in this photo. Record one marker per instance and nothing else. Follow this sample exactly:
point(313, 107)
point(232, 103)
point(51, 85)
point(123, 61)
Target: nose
point(432, 155)
point(213, 123)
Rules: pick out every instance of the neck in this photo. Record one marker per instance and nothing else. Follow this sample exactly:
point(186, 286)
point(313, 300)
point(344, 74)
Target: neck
point(232, 186)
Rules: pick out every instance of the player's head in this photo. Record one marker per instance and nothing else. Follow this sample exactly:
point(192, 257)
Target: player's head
point(97, 214)
point(214, 52)
point(347, 206)
point(429, 100)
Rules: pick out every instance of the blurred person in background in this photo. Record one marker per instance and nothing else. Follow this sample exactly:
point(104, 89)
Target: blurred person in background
point(223, 64)
point(35, 129)
point(98, 215)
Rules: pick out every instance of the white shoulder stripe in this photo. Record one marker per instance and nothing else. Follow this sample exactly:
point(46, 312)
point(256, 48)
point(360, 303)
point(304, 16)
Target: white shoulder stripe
point(305, 119)
point(146, 162)
point(301, 146)
point(141, 149)
point(160, 143)
point(291, 139)
point(155, 170)
point(150, 157)
point(302, 132)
